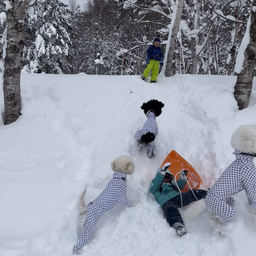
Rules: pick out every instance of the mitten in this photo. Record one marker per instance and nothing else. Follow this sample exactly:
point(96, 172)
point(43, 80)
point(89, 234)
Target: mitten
point(165, 168)
point(147, 61)
point(161, 64)
point(183, 174)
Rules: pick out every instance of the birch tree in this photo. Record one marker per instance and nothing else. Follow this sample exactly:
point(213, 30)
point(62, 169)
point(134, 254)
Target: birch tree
point(171, 43)
point(15, 29)
point(193, 37)
point(245, 71)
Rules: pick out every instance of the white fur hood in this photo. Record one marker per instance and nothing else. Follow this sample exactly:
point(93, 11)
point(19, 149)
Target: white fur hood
point(244, 138)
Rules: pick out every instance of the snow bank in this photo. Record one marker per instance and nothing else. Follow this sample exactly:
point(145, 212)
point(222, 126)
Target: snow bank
point(73, 126)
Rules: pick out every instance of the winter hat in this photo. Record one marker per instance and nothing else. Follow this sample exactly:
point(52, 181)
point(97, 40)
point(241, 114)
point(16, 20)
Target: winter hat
point(244, 138)
point(123, 164)
point(157, 39)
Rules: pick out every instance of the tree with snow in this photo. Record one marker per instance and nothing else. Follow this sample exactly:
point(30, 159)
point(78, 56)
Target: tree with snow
point(12, 53)
point(48, 38)
point(2, 30)
point(173, 31)
point(245, 63)
point(231, 61)
point(107, 28)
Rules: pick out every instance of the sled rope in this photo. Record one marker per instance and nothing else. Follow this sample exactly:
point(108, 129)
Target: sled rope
point(180, 190)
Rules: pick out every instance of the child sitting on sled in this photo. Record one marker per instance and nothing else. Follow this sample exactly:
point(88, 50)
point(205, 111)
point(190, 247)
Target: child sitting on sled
point(240, 175)
point(167, 192)
point(154, 60)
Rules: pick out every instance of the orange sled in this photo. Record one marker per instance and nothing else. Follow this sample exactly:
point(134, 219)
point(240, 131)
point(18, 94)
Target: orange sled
point(177, 164)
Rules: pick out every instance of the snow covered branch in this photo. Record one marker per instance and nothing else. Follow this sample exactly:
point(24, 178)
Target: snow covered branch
point(148, 9)
point(228, 17)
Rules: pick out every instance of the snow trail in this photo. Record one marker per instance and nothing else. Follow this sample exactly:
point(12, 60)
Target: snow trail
point(76, 126)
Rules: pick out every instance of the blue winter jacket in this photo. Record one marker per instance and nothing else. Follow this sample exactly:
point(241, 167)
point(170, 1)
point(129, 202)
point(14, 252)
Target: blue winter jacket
point(168, 192)
point(155, 53)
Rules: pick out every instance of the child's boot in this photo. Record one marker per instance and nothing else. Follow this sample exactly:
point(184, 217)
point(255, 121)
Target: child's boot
point(144, 78)
point(180, 229)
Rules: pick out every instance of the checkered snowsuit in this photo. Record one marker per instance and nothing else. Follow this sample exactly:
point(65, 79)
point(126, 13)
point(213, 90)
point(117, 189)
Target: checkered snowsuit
point(114, 193)
point(149, 126)
point(240, 175)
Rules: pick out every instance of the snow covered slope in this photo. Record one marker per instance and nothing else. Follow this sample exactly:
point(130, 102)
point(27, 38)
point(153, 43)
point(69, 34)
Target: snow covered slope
point(73, 126)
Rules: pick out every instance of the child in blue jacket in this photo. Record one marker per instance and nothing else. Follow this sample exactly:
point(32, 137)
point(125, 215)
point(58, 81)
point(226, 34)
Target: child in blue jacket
point(154, 60)
point(167, 192)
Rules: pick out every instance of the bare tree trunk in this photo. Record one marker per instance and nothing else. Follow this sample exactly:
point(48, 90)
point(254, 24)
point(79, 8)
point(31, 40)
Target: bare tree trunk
point(15, 24)
point(232, 60)
point(244, 81)
point(168, 71)
point(193, 39)
point(193, 55)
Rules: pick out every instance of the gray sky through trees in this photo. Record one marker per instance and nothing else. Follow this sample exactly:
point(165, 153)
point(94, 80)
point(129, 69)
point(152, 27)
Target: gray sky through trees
point(80, 2)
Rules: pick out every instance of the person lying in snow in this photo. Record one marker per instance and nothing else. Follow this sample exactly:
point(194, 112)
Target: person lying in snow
point(146, 136)
point(167, 192)
point(239, 175)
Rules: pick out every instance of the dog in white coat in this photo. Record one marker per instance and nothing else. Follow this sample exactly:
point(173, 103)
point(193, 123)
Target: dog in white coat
point(240, 175)
point(114, 193)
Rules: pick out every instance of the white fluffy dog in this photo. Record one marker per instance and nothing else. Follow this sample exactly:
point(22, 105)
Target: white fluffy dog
point(240, 175)
point(114, 193)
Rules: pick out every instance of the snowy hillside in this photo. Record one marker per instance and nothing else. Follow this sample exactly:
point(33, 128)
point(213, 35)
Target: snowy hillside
point(73, 126)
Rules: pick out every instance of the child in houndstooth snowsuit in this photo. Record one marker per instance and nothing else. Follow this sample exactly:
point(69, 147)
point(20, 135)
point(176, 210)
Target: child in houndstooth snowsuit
point(146, 136)
point(240, 175)
point(114, 193)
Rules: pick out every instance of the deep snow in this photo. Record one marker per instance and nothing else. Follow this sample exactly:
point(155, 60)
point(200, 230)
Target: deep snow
point(73, 126)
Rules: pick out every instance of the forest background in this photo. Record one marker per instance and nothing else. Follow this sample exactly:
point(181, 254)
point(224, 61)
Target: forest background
point(62, 38)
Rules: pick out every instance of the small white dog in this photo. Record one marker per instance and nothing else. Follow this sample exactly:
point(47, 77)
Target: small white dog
point(114, 193)
point(239, 175)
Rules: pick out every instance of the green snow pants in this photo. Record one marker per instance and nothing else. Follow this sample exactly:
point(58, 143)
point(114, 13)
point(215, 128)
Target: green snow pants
point(154, 66)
